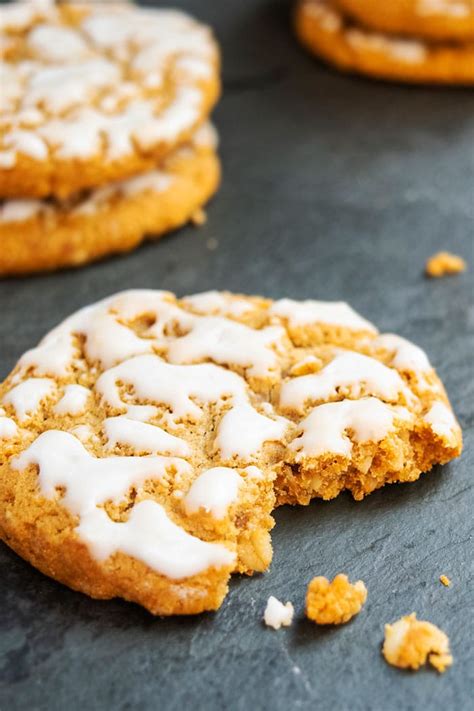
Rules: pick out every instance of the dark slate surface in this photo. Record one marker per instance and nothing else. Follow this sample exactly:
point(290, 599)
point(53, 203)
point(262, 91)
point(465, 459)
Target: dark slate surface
point(335, 188)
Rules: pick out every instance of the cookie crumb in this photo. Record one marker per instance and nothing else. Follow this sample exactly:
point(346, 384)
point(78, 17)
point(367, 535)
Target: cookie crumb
point(199, 217)
point(445, 580)
point(409, 643)
point(444, 263)
point(212, 244)
point(336, 602)
point(277, 614)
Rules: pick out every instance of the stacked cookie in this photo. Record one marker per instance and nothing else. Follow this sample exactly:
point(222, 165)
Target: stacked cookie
point(104, 133)
point(427, 41)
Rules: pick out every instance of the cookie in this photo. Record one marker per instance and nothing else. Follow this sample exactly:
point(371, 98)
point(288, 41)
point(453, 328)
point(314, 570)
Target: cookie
point(145, 441)
point(329, 34)
point(38, 235)
point(431, 19)
point(96, 92)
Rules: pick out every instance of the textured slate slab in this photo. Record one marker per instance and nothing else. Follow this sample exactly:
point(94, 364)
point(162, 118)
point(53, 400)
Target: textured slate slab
point(334, 188)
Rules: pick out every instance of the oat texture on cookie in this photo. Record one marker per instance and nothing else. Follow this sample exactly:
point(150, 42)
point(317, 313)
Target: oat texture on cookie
point(146, 440)
point(95, 92)
point(325, 29)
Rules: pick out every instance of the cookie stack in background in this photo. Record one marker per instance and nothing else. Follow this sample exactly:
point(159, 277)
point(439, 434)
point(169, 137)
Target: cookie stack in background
point(425, 41)
point(104, 133)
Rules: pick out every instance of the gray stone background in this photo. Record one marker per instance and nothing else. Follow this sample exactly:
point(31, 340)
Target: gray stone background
point(334, 188)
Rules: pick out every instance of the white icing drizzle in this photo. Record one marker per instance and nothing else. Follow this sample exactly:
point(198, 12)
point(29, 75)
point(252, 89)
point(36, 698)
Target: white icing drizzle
point(230, 343)
point(176, 386)
point(310, 313)
point(277, 614)
point(8, 428)
point(404, 50)
point(69, 70)
point(213, 491)
point(216, 303)
point(143, 437)
point(452, 8)
point(83, 432)
point(406, 355)
point(143, 413)
point(324, 430)
point(27, 397)
point(442, 422)
point(74, 400)
point(358, 373)
point(148, 535)
point(243, 431)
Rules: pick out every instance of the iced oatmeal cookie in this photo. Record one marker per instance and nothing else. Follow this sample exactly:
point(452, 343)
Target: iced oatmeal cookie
point(146, 440)
point(97, 92)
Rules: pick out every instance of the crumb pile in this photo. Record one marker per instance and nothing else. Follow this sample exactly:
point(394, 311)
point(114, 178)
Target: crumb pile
point(146, 440)
point(104, 135)
point(443, 264)
point(424, 41)
point(410, 643)
point(335, 602)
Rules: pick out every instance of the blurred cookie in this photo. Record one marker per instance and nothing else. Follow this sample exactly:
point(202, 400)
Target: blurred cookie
point(38, 235)
point(96, 92)
point(145, 441)
point(328, 33)
point(431, 19)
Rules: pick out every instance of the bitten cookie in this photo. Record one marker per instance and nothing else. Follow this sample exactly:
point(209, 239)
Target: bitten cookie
point(431, 19)
point(38, 235)
point(95, 92)
point(145, 441)
point(329, 34)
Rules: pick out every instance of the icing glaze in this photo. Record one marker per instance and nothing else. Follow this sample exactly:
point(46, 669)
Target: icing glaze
point(324, 430)
point(143, 437)
point(356, 372)
point(243, 431)
point(442, 421)
point(148, 535)
point(406, 355)
point(176, 386)
point(218, 304)
point(27, 396)
point(230, 343)
point(309, 313)
point(74, 400)
point(213, 491)
point(93, 81)
point(8, 428)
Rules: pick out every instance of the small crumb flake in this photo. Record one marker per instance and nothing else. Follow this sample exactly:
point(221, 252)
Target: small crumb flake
point(444, 263)
point(277, 614)
point(199, 217)
point(212, 244)
point(336, 602)
point(409, 643)
point(445, 580)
